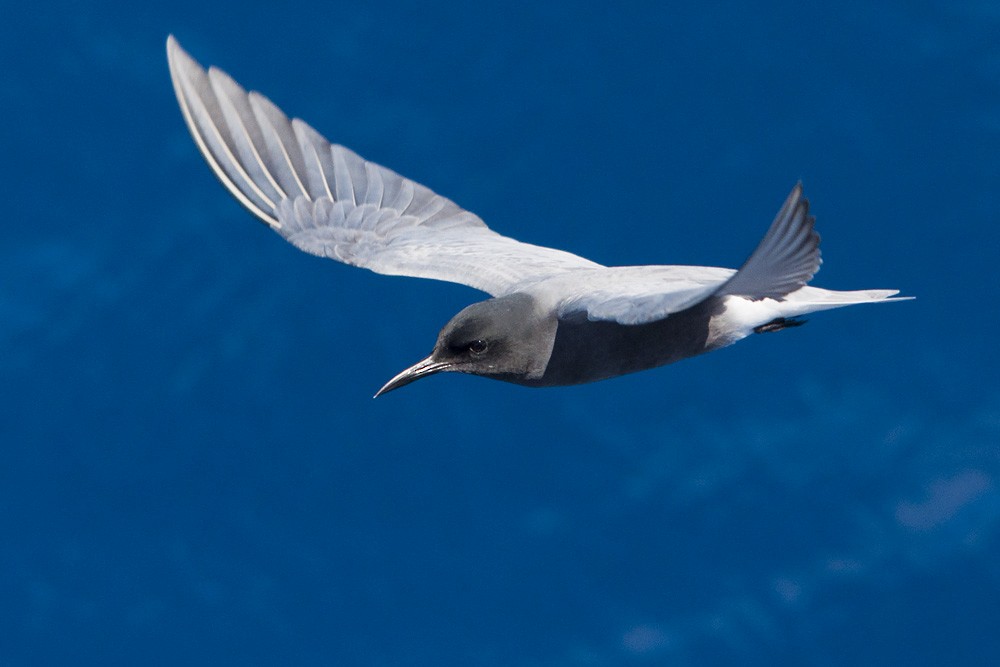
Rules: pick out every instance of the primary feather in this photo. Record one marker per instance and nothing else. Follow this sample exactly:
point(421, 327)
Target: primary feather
point(329, 201)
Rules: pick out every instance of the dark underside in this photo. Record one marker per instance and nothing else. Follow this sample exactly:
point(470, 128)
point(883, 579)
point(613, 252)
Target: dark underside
point(586, 351)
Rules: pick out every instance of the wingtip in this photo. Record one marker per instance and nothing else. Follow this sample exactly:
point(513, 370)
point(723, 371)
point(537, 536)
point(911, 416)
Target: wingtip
point(177, 57)
point(173, 47)
point(786, 259)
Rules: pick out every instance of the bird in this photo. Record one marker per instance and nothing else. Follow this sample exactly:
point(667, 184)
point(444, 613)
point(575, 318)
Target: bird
point(553, 318)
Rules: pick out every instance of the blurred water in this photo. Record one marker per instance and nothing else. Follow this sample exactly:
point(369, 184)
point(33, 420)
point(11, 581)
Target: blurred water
point(194, 471)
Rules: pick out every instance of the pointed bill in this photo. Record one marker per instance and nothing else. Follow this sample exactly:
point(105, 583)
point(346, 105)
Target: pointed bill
point(418, 370)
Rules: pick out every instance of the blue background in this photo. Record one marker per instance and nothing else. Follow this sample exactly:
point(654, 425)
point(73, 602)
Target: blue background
point(193, 470)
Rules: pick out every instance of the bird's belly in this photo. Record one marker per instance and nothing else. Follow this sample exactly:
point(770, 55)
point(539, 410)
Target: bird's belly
point(586, 351)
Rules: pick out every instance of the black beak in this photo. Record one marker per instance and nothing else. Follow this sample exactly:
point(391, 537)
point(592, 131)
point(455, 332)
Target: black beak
point(418, 370)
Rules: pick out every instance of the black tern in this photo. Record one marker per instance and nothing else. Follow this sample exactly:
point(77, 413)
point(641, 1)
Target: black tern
point(554, 318)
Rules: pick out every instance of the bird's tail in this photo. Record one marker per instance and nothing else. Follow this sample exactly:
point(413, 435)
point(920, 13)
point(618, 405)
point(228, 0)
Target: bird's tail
point(811, 299)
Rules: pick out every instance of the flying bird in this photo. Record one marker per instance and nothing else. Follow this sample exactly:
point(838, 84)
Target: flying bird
point(554, 318)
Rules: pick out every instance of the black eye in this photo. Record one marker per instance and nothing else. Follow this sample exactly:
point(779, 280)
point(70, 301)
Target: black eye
point(478, 347)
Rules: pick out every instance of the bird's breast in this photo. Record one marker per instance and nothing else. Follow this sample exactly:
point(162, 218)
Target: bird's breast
point(586, 351)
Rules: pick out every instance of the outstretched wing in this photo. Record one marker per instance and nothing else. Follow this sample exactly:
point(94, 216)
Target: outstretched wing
point(328, 201)
point(632, 294)
point(785, 260)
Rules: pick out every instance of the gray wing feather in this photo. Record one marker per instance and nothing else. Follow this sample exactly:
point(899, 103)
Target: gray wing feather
point(206, 118)
point(245, 133)
point(638, 309)
point(634, 294)
point(283, 156)
point(329, 201)
point(787, 257)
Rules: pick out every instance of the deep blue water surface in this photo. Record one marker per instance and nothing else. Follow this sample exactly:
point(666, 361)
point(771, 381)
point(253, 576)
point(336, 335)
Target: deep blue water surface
point(193, 470)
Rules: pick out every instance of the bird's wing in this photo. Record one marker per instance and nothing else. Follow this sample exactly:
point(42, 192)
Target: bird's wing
point(632, 294)
point(328, 201)
point(786, 259)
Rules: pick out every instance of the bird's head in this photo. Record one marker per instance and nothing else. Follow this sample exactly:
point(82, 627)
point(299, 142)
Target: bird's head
point(507, 338)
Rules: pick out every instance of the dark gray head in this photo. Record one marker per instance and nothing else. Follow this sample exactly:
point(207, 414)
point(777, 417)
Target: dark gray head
point(507, 338)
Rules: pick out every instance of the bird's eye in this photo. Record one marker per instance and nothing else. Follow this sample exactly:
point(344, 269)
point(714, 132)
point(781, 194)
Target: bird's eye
point(478, 347)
